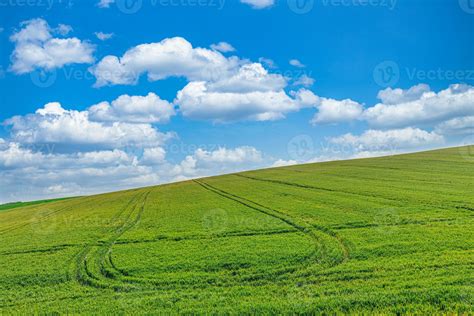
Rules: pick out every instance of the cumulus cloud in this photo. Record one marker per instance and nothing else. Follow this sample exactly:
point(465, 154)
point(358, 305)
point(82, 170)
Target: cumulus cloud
point(419, 105)
point(283, 163)
point(270, 63)
point(220, 89)
point(304, 81)
point(197, 101)
point(259, 4)
point(153, 156)
point(221, 160)
point(133, 109)
point(251, 93)
point(35, 47)
point(223, 47)
point(37, 175)
point(448, 111)
point(248, 78)
point(396, 96)
point(457, 126)
point(172, 57)
point(28, 175)
point(296, 63)
point(11, 155)
point(63, 29)
point(335, 111)
point(103, 36)
point(389, 140)
point(53, 124)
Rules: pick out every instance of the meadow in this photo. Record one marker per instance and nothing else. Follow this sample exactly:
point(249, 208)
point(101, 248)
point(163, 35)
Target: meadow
point(389, 235)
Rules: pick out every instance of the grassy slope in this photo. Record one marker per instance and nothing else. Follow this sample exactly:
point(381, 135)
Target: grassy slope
point(9, 206)
point(387, 235)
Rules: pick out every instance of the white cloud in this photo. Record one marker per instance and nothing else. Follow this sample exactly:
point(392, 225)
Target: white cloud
point(104, 158)
point(223, 155)
point(388, 141)
point(397, 96)
point(12, 155)
point(26, 175)
point(335, 111)
point(103, 36)
point(304, 81)
point(457, 126)
point(376, 143)
point(296, 63)
point(63, 29)
point(172, 57)
point(222, 160)
point(267, 62)
point(105, 3)
point(220, 89)
point(449, 111)
point(198, 102)
point(56, 189)
point(35, 47)
point(133, 109)
point(249, 78)
point(259, 4)
point(418, 106)
point(251, 93)
point(53, 124)
point(154, 155)
point(223, 47)
point(283, 163)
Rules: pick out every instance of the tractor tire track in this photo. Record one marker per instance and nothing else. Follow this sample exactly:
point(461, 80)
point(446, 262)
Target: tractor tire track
point(46, 216)
point(88, 265)
point(303, 227)
point(312, 187)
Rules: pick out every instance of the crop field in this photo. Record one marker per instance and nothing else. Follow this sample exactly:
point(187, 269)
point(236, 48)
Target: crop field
point(382, 235)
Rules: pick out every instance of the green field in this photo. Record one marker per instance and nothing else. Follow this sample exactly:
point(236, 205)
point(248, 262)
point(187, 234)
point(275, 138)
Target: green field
point(9, 206)
point(381, 235)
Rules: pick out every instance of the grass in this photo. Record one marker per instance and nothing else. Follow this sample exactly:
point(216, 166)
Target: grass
point(9, 206)
point(391, 235)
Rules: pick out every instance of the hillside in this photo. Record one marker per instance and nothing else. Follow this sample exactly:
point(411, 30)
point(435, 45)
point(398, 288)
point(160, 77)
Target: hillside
point(387, 235)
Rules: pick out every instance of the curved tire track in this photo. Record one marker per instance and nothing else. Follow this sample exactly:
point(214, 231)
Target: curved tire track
point(303, 227)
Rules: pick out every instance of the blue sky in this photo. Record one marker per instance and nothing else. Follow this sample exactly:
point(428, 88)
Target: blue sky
point(379, 77)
